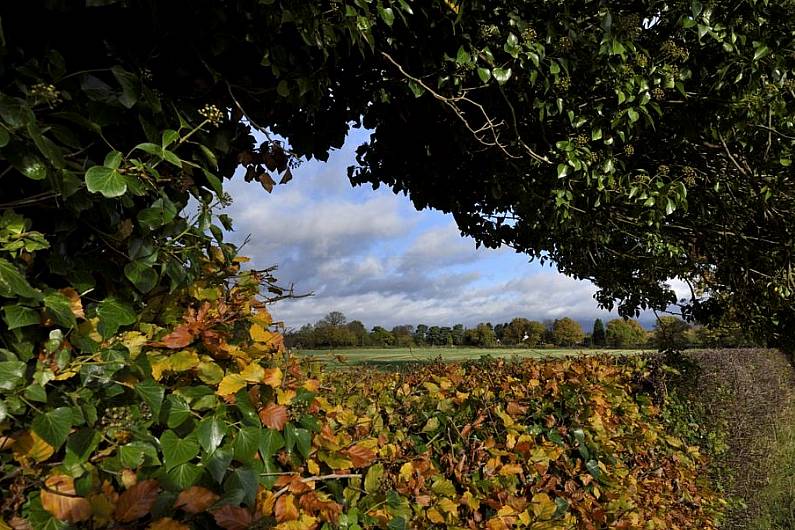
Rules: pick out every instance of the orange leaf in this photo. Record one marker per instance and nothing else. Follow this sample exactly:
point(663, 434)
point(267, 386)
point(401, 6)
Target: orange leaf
point(274, 416)
point(361, 456)
point(273, 377)
point(285, 509)
point(61, 500)
point(136, 501)
point(74, 301)
point(233, 518)
point(195, 499)
point(179, 338)
point(167, 523)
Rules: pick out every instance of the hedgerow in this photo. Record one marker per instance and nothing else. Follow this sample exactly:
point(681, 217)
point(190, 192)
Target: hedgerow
point(210, 423)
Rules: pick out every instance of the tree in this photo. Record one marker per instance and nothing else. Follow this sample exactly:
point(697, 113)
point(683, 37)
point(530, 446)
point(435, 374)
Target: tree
point(381, 337)
point(481, 336)
point(334, 319)
point(403, 335)
point(421, 334)
point(598, 337)
point(671, 333)
point(624, 333)
point(358, 330)
point(457, 334)
point(567, 332)
point(523, 331)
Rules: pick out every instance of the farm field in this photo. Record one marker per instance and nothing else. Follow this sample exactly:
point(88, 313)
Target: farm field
point(396, 356)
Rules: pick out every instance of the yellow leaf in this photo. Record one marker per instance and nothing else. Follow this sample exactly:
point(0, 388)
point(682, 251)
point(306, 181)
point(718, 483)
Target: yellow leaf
point(183, 360)
point(284, 397)
point(265, 501)
point(471, 501)
point(260, 334)
point(406, 471)
point(273, 377)
point(134, 341)
point(305, 522)
point(511, 469)
point(313, 467)
point(448, 506)
point(3, 525)
point(209, 372)
point(63, 376)
point(543, 506)
point(263, 318)
point(434, 516)
point(29, 445)
point(253, 373)
point(230, 384)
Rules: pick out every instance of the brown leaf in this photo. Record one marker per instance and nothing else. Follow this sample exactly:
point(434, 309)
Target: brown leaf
point(274, 416)
point(196, 499)
point(285, 509)
point(177, 339)
point(60, 499)
point(233, 518)
point(137, 501)
point(74, 301)
point(361, 456)
point(167, 523)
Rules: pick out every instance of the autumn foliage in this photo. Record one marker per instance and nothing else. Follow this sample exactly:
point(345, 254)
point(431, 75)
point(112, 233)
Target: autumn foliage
point(222, 428)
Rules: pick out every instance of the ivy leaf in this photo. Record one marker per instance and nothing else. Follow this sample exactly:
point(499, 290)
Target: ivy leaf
point(247, 442)
point(141, 275)
point(161, 212)
point(152, 394)
point(12, 282)
point(113, 313)
point(218, 463)
point(17, 316)
point(210, 432)
point(12, 373)
point(61, 309)
point(502, 75)
point(107, 181)
point(137, 453)
point(184, 476)
point(53, 427)
point(387, 15)
point(177, 450)
point(271, 441)
point(176, 411)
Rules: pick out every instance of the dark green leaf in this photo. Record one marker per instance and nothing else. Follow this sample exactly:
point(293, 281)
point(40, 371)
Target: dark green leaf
point(12, 374)
point(247, 442)
point(54, 426)
point(178, 450)
point(152, 394)
point(141, 275)
point(17, 316)
point(113, 313)
point(210, 433)
point(61, 309)
point(12, 282)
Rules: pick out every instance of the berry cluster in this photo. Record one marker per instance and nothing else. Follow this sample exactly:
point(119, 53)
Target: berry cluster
point(581, 140)
point(563, 82)
point(212, 114)
point(674, 51)
point(658, 94)
point(529, 34)
point(629, 149)
point(489, 31)
point(630, 24)
point(663, 170)
point(565, 44)
point(46, 93)
point(689, 176)
point(641, 60)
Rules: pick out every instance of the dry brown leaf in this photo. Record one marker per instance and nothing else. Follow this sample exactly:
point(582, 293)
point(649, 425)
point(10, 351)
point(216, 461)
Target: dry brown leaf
point(196, 499)
point(60, 499)
point(137, 501)
point(274, 416)
point(233, 518)
point(167, 523)
point(285, 509)
point(361, 456)
point(177, 339)
point(74, 301)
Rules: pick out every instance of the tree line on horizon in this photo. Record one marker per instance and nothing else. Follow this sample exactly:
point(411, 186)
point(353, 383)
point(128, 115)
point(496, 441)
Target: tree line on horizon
point(335, 331)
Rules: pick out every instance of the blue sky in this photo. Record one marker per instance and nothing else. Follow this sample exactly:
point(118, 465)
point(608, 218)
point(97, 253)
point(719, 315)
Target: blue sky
point(371, 255)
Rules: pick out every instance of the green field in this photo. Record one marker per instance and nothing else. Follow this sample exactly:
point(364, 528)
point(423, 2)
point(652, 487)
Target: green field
point(397, 356)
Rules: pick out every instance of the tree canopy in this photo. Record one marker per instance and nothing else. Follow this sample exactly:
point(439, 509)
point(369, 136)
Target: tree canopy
point(630, 143)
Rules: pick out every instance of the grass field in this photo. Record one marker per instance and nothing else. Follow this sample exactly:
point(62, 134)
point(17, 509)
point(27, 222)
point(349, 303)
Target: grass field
point(397, 356)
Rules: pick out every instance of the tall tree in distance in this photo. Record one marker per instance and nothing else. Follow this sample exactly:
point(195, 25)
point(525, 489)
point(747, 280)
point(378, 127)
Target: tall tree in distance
point(598, 334)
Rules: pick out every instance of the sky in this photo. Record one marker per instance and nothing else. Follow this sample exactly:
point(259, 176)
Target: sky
point(371, 255)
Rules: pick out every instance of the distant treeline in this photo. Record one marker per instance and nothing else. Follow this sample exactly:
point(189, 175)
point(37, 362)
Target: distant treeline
point(334, 331)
